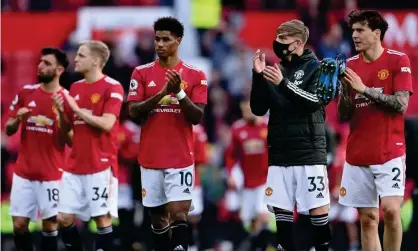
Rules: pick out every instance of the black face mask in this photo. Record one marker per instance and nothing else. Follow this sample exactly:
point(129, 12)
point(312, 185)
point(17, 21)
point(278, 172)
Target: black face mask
point(281, 50)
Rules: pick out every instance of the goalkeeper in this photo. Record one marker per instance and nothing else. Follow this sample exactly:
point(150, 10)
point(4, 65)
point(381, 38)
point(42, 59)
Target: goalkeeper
point(297, 172)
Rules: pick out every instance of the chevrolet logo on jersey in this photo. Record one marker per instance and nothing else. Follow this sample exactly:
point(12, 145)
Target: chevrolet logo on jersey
point(41, 120)
point(168, 100)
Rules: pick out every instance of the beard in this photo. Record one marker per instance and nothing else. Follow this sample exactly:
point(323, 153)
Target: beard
point(46, 79)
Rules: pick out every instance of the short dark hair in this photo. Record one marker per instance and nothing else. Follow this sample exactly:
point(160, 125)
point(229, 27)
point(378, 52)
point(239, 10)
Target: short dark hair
point(60, 55)
point(170, 24)
point(372, 18)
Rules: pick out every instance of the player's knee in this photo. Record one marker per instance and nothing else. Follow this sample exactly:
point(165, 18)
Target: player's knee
point(103, 221)
point(391, 212)
point(20, 225)
point(159, 217)
point(369, 221)
point(178, 210)
point(65, 220)
point(50, 224)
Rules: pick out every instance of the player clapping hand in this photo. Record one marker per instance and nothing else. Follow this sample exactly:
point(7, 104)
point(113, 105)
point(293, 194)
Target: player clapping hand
point(259, 61)
point(173, 78)
point(23, 113)
point(273, 74)
point(351, 78)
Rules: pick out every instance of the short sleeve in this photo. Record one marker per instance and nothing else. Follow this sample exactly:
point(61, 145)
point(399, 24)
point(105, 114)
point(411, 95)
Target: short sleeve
point(402, 80)
point(114, 100)
point(200, 89)
point(16, 104)
point(136, 87)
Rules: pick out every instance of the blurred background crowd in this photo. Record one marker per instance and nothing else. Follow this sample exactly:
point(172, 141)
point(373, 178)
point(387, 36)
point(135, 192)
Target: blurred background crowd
point(220, 38)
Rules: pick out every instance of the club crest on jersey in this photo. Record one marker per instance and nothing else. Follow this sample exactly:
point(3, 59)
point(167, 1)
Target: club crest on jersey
point(95, 98)
point(263, 133)
point(269, 191)
point(343, 191)
point(121, 137)
point(299, 74)
point(383, 74)
point(183, 85)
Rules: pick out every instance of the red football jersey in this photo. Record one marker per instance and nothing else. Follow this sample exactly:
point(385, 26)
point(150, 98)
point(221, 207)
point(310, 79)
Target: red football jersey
point(377, 136)
point(128, 139)
point(94, 150)
point(41, 155)
point(249, 147)
point(200, 149)
point(166, 136)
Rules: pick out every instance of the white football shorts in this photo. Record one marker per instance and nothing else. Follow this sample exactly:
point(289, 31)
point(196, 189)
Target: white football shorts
point(307, 186)
point(160, 186)
point(29, 197)
point(89, 195)
point(252, 203)
point(362, 186)
point(197, 199)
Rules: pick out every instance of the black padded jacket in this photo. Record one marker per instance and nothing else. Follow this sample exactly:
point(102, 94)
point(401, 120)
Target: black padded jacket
point(296, 130)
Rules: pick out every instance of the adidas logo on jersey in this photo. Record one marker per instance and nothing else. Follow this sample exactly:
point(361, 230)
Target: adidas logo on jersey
point(179, 248)
point(55, 205)
point(320, 196)
point(151, 84)
point(32, 104)
point(186, 191)
point(77, 97)
point(104, 205)
point(395, 186)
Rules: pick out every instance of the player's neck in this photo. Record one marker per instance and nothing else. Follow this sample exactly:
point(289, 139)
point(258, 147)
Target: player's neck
point(169, 62)
point(373, 53)
point(52, 87)
point(93, 76)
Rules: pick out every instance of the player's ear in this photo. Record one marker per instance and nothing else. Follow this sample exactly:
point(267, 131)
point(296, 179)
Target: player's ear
point(178, 40)
point(377, 32)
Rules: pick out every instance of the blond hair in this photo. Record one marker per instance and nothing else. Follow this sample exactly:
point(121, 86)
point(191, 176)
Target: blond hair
point(294, 28)
point(99, 49)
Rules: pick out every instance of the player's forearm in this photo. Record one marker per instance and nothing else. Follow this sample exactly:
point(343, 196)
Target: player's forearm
point(345, 109)
point(192, 112)
point(396, 103)
point(104, 123)
point(12, 125)
point(299, 97)
point(259, 95)
point(141, 109)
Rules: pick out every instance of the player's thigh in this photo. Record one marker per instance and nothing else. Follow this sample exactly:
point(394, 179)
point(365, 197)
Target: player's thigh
point(358, 188)
point(101, 193)
point(312, 190)
point(334, 211)
point(280, 188)
point(125, 197)
point(197, 200)
point(23, 199)
point(178, 183)
point(348, 214)
point(248, 205)
point(390, 177)
point(153, 194)
point(47, 194)
point(72, 195)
